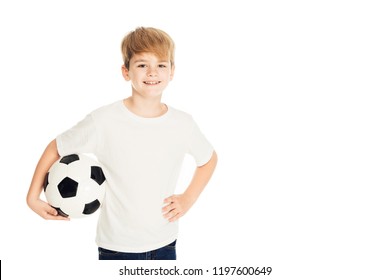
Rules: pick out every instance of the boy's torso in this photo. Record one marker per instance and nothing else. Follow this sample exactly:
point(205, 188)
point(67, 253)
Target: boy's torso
point(142, 158)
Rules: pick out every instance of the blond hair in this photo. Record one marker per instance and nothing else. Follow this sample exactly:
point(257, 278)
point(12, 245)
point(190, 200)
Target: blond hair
point(148, 39)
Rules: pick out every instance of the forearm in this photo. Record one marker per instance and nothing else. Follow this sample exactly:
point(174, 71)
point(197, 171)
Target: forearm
point(49, 156)
point(201, 177)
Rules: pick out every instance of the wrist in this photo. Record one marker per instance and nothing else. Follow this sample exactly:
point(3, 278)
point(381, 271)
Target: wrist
point(31, 199)
point(190, 196)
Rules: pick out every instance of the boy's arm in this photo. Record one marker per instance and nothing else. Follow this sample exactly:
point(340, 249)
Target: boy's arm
point(178, 205)
point(43, 209)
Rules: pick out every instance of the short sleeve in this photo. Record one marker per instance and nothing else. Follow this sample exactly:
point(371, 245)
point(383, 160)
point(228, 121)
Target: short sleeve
point(199, 147)
point(82, 138)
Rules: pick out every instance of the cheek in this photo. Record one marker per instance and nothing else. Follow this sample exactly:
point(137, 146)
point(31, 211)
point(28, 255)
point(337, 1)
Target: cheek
point(136, 76)
point(166, 73)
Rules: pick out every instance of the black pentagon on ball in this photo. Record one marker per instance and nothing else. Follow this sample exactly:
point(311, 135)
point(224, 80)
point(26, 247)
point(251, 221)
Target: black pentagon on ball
point(46, 181)
point(97, 174)
point(68, 187)
point(69, 159)
point(91, 207)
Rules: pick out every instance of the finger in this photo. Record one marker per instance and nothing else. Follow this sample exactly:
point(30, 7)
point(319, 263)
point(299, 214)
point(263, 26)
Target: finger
point(55, 217)
point(170, 215)
point(170, 203)
point(165, 208)
point(52, 214)
point(61, 218)
point(172, 208)
point(170, 199)
point(168, 208)
point(51, 210)
point(175, 217)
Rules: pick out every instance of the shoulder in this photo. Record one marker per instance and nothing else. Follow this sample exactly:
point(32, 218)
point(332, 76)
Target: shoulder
point(181, 119)
point(180, 115)
point(106, 110)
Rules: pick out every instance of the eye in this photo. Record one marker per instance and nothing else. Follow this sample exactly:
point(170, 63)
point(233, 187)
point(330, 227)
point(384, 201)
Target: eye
point(141, 65)
point(162, 66)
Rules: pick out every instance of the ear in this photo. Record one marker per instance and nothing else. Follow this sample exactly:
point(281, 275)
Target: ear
point(125, 73)
point(172, 72)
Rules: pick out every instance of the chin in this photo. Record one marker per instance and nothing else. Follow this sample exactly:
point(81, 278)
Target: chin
point(152, 94)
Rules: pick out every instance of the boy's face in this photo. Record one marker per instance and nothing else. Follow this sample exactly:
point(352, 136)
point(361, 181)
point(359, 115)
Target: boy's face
point(149, 75)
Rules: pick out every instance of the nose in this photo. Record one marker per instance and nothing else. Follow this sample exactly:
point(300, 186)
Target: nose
point(152, 72)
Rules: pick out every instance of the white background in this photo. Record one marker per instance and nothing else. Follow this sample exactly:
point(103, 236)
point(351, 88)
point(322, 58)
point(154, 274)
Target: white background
point(294, 95)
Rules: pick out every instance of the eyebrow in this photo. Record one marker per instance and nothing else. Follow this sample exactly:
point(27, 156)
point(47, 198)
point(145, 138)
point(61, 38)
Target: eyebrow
point(144, 60)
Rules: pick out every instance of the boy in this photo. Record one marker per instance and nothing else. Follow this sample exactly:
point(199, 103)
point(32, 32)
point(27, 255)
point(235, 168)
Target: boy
point(141, 142)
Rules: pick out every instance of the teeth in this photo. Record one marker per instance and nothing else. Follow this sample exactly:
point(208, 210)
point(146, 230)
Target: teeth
point(151, 83)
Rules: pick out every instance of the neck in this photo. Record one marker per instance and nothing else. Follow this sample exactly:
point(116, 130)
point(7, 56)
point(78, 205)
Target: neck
point(145, 107)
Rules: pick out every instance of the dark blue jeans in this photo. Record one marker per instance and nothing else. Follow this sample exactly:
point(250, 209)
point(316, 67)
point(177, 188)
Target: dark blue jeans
point(165, 253)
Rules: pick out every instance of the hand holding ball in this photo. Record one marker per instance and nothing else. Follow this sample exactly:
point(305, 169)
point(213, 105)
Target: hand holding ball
point(75, 186)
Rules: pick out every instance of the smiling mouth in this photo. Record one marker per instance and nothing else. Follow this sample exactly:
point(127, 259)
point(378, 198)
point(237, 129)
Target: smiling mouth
point(152, 82)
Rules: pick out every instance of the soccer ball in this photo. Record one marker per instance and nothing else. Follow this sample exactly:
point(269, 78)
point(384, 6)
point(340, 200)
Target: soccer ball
point(75, 186)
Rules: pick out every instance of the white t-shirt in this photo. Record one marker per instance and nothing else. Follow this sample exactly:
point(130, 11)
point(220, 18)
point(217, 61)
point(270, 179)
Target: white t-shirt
point(142, 158)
